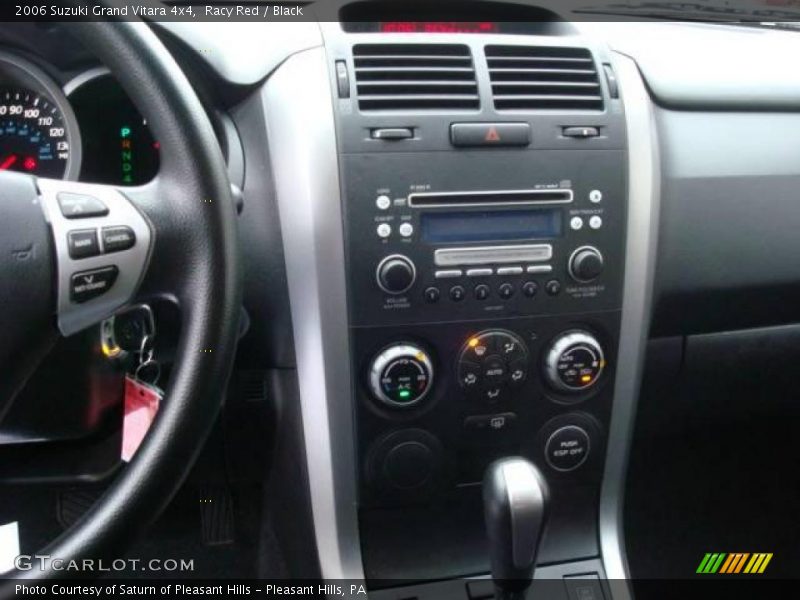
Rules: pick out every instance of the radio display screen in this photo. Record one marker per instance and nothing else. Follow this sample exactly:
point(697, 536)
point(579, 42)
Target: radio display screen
point(491, 226)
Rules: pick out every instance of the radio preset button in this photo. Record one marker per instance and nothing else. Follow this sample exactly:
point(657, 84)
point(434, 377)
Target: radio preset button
point(553, 287)
point(479, 272)
point(529, 288)
point(457, 293)
point(510, 271)
point(448, 274)
point(406, 229)
point(505, 291)
point(383, 202)
point(482, 291)
point(596, 222)
point(595, 196)
point(576, 223)
point(432, 295)
point(384, 230)
point(538, 269)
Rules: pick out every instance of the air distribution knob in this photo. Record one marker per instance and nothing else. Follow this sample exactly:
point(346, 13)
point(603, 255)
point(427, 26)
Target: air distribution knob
point(574, 362)
point(396, 274)
point(401, 375)
point(585, 264)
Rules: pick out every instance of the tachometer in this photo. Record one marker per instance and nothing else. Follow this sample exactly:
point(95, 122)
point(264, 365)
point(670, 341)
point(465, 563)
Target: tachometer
point(38, 130)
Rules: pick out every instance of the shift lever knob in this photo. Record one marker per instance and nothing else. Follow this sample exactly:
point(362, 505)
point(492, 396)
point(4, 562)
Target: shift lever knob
point(515, 497)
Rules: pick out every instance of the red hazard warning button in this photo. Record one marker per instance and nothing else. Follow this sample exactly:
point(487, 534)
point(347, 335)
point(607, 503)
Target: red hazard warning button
point(490, 134)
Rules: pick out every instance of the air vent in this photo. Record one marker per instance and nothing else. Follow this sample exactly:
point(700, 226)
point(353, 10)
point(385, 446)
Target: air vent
point(543, 78)
point(415, 77)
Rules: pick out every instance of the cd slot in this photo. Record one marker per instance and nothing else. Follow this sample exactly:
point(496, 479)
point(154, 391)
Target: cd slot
point(489, 198)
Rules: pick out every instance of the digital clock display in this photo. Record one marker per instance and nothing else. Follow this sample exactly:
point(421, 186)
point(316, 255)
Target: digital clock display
point(439, 27)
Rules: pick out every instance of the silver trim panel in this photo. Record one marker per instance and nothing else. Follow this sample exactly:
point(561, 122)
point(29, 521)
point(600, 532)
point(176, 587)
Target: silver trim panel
point(131, 263)
point(535, 269)
point(299, 113)
point(642, 235)
point(487, 255)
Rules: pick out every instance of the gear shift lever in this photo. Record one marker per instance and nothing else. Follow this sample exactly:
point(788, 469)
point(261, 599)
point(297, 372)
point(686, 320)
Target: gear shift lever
point(515, 497)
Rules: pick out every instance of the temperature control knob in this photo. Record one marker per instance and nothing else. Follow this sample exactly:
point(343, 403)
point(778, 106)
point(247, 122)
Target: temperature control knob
point(396, 274)
point(585, 264)
point(574, 362)
point(401, 375)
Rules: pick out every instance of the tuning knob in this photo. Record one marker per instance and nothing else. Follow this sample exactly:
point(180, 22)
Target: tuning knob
point(401, 375)
point(585, 264)
point(574, 362)
point(396, 274)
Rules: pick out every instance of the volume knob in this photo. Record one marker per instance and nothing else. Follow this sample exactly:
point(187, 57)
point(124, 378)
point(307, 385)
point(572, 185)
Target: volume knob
point(396, 274)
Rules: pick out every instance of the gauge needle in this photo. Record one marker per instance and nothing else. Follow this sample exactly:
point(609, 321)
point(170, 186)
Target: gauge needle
point(8, 162)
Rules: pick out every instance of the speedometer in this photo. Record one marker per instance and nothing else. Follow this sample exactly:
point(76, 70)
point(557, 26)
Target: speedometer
point(33, 136)
point(38, 130)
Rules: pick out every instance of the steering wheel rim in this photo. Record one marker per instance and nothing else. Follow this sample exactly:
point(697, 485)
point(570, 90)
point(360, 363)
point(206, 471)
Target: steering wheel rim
point(192, 258)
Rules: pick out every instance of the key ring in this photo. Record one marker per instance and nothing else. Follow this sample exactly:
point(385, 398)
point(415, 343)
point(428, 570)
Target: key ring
point(150, 377)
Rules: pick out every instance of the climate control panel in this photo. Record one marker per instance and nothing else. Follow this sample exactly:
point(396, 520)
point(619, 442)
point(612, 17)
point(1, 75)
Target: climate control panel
point(401, 375)
point(574, 362)
point(491, 364)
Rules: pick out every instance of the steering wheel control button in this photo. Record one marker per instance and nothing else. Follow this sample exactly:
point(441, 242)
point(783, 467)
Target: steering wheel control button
point(117, 239)
point(530, 288)
point(457, 293)
point(585, 264)
point(567, 448)
point(432, 295)
point(595, 196)
point(80, 206)
point(396, 274)
point(383, 202)
point(86, 285)
point(482, 291)
point(553, 287)
point(82, 243)
point(401, 375)
point(574, 362)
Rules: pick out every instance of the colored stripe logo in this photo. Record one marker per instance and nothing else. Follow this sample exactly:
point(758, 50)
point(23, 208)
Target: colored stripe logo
point(734, 563)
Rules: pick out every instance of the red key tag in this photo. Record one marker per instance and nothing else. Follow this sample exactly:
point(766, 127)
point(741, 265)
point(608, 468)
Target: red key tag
point(141, 407)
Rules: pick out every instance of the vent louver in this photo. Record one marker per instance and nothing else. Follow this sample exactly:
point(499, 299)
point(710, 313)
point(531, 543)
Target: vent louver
point(415, 77)
point(543, 78)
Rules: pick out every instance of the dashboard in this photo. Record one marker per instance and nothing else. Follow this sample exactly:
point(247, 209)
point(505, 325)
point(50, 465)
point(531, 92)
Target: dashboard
point(458, 236)
point(85, 129)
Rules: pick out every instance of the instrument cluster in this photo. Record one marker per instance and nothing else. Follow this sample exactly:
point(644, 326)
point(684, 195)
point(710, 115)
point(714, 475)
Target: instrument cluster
point(87, 129)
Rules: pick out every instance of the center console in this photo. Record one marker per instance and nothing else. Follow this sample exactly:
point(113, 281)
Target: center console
point(484, 204)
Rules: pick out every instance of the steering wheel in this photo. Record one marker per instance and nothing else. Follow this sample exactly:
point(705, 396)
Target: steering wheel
point(185, 250)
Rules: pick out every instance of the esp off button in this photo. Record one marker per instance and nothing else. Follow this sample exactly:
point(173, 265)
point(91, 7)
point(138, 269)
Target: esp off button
point(567, 448)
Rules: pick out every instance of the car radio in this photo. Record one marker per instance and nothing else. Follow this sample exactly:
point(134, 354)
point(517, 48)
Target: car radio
point(430, 248)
